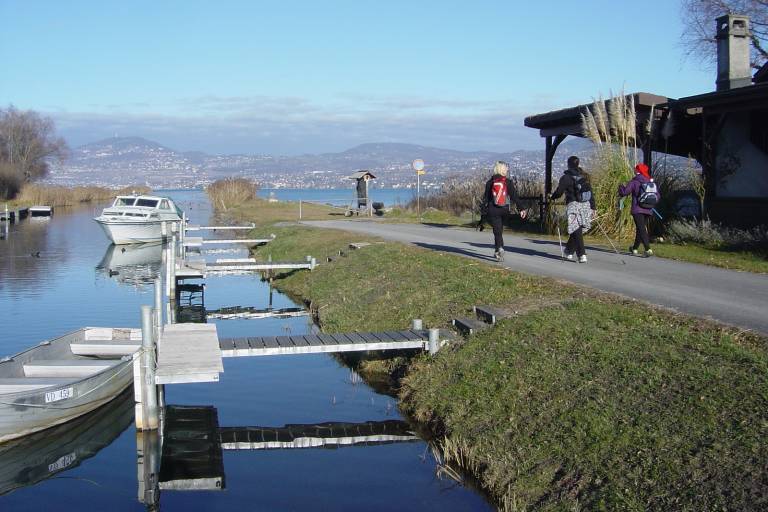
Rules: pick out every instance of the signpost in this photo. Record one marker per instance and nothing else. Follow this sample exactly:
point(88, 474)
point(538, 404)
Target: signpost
point(418, 166)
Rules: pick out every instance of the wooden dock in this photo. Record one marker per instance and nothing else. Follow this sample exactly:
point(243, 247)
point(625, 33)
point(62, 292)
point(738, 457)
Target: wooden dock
point(188, 353)
point(327, 343)
point(192, 227)
point(198, 241)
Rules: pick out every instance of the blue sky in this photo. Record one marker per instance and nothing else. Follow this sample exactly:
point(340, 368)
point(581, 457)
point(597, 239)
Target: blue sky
point(296, 77)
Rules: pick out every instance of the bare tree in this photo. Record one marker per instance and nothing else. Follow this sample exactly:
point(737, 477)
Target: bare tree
point(699, 22)
point(28, 143)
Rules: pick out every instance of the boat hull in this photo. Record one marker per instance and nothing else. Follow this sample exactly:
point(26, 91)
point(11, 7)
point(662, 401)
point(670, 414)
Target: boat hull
point(28, 412)
point(121, 233)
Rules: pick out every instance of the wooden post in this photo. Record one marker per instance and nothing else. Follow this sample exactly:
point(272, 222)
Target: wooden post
point(144, 387)
point(434, 341)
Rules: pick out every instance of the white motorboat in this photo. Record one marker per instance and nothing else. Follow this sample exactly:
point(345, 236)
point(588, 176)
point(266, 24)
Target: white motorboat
point(138, 219)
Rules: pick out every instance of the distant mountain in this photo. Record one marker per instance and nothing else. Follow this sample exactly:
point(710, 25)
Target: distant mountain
point(132, 160)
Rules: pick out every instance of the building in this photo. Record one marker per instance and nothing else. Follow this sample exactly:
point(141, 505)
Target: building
point(726, 130)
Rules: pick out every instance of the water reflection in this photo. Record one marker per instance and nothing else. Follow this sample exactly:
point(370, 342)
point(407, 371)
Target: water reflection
point(39, 456)
point(133, 264)
point(190, 454)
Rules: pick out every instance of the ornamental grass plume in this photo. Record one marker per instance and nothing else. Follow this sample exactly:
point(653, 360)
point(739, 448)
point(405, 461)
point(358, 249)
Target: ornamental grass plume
point(612, 126)
point(231, 192)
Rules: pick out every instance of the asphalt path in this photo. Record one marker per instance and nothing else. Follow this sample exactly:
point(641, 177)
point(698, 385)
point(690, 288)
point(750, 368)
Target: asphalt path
point(736, 298)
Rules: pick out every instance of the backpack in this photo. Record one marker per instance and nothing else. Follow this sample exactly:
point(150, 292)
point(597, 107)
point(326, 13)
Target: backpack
point(499, 191)
point(648, 196)
point(582, 189)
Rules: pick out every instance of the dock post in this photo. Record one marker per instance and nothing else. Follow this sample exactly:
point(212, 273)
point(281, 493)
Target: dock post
point(312, 264)
point(434, 341)
point(164, 229)
point(158, 306)
point(172, 274)
point(149, 417)
point(416, 325)
point(148, 466)
point(299, 209)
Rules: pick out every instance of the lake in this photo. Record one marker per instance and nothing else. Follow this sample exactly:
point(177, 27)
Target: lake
point(60, 274)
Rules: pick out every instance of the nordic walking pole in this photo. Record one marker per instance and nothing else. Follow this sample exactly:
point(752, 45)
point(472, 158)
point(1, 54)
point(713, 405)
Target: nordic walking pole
point(610, 242)
point(560, 242)
point(657, 214)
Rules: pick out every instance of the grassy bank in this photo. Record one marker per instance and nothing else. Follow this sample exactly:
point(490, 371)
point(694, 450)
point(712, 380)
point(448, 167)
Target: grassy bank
point(581, 401)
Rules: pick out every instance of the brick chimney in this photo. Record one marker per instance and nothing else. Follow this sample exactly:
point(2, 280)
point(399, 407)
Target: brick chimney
point(733, 43)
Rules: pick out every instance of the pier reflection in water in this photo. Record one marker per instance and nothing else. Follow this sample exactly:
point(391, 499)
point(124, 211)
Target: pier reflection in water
point(134, 264)
point(189, 458)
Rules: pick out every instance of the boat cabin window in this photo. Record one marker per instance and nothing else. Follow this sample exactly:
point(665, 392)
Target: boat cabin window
point(151, 203)
point(124, 201)
point(164, 205)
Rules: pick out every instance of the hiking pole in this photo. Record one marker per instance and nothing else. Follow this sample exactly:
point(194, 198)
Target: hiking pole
point(560, 242)
point(610, 242)
point(657, 214)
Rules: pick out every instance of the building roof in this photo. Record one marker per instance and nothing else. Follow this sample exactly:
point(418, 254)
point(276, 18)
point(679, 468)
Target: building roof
point(358, 175)
point(761, 75)
point(754, 96)
point(572, 115)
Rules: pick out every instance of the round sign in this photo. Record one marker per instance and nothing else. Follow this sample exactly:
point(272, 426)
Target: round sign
point(418, 165)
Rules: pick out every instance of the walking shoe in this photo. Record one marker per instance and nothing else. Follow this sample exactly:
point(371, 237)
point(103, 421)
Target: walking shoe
point(499, 255)
point(633, 251)
point(649, 253)
point(569, 257)
point(583, 258)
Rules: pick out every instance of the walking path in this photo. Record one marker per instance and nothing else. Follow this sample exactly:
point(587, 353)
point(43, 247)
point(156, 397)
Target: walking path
point(736, 298)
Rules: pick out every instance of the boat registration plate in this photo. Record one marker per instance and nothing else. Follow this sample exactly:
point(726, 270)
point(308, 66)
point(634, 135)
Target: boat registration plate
point(59, 394)
point(62, 463)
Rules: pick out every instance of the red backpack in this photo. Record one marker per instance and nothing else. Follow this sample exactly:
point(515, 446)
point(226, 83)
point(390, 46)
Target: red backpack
point(499, 191)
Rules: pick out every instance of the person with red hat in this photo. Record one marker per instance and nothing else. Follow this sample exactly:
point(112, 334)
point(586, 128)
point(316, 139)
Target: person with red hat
point(645, 195)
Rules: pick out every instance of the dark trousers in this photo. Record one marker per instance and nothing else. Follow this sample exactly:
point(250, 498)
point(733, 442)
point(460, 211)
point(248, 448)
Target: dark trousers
point(496, 216)
point(641, 230)
point(575, 243)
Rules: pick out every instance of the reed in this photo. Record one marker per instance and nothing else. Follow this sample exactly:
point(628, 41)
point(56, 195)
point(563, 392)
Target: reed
point(612, 126)
point(34, 194)
point(230, 192)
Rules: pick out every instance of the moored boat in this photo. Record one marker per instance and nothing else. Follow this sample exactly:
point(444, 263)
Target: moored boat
point(139, 218)
point(61, 379)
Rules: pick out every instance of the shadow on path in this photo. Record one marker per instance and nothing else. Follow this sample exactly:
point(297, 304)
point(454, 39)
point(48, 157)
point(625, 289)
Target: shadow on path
point(587, 247)
point(520, 250)
point(455, 250)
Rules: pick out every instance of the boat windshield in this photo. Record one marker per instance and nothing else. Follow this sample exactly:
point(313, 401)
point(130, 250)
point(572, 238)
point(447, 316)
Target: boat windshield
point(151, 203)
point(124, 201)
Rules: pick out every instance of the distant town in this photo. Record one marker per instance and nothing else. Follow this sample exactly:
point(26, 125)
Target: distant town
point(125, 161)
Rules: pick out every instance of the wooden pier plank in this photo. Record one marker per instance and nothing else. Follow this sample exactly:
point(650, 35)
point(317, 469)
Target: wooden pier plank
point(188, 353)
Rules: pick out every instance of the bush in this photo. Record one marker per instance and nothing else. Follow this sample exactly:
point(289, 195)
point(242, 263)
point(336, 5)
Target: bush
point(10, 182)
point(709, 234)
point(231, 192)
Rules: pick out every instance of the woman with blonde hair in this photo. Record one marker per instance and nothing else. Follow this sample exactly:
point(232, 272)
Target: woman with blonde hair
point(500, 193)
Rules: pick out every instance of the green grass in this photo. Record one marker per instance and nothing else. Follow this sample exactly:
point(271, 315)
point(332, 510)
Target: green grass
point(749, 261)
point(599, 403)
point(605, 405)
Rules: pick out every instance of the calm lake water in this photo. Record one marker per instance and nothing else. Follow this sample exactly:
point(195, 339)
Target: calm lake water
point(55, 277)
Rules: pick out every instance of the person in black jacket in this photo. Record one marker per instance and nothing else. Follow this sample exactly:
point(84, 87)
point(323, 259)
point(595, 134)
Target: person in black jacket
point(580, 207)
point(499, 193)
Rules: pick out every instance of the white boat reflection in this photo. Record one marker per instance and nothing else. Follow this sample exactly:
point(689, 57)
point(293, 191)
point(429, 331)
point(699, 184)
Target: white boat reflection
point(134, 264)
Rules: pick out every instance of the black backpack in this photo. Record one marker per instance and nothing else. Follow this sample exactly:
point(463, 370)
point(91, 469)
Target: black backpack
point(582, 190)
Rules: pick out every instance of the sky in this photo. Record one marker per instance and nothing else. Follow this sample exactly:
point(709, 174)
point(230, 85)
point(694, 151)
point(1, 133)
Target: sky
point(293, 77)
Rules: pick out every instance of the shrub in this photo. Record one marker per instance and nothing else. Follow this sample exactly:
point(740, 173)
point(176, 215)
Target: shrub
point(231, 192)
point(10, 182)
point(709, 234)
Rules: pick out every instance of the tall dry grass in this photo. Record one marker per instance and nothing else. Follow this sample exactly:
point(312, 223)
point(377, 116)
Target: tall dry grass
point(229, 192)
point(612, 126)
point(33, 194)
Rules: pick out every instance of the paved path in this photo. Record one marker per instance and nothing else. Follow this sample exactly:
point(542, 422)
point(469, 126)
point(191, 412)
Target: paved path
point(737, 298)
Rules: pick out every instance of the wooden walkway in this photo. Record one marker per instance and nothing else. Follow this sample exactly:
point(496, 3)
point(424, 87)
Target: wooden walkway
point(188, 353)
point(326, 343)
point(198, 241)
